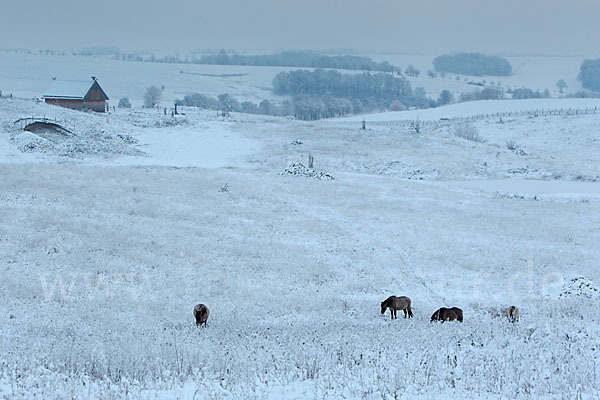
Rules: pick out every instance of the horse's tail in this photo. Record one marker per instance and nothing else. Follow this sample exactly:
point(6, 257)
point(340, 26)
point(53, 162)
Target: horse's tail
point(514, 314)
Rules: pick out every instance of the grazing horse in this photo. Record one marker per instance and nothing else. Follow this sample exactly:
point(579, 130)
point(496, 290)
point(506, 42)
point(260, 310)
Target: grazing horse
point(448, 314)
point(201, 313)
point(397, 303)
point(512, 313)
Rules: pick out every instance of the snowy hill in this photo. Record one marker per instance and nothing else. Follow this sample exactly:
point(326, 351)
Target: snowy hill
point(110, 236)
point(28, 76)
point(534, 72)
point(484, 107)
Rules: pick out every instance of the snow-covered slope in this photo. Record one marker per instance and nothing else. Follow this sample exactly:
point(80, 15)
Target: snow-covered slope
point(484, 108)
point(30, 76)
point(534, 72)
point(110, 237)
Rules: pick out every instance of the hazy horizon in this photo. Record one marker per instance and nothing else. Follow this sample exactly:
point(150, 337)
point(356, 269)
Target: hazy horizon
point(428, 27)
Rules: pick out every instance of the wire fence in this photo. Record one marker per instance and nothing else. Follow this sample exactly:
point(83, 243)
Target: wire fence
point(433, 124)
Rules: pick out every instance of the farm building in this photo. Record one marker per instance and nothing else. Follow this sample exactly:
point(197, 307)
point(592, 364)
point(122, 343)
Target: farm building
point(77, 95)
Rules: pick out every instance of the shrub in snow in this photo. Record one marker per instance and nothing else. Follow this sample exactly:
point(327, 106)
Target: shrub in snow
point(124, 103)
point(511, 144)
point(467, 131)
point(397, 106)
point(446, 97)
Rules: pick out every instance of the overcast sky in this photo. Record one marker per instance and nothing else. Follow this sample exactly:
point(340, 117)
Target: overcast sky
point(561, 27)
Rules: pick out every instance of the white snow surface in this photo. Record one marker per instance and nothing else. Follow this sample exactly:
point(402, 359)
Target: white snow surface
point(110, 236)
point(537, 72)
point(486, 107)
point(30, 75)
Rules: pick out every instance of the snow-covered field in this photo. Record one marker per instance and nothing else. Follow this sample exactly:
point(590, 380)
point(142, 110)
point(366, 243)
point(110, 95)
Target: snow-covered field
point(486, 107)
point(534, 72)
point(109, 237)
point(29, 76)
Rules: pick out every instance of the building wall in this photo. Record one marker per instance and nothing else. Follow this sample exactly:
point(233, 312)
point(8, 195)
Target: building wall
point(94, 105)
point(95, 95)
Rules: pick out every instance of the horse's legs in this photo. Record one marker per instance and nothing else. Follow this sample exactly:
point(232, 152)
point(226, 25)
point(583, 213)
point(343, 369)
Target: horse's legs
point(394, 316)
point(405, 313)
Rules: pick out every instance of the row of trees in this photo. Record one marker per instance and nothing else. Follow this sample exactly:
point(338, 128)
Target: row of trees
point(296, 59)
point(498, 94)
point(304, 107)
point(528, 94)
point(476, 64)
point(380, 86)
point(325, 94)
point(348, 93)
point(316, 106)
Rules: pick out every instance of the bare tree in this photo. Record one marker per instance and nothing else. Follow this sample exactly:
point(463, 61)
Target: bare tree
point(152, 96)
point(561, 85)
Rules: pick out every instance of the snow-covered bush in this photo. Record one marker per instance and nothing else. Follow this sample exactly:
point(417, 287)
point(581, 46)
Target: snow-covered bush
point(124, 103)
point(511, 144)
point(397, 106)
point(468, 132)
point(152, 96)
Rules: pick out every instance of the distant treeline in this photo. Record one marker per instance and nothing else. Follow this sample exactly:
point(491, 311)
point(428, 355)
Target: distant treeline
point(328, 93)
point(589, 74)
point(319, 93)
point(498, 94)
point(299, 59)
point(227, 102)
point(472, 64)
point(325, 94)
point(304, 107)
point(319, 82)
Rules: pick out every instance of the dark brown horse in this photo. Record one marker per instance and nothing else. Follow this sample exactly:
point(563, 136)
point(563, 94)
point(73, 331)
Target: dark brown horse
point(512, 313)
point(201, 313)
point(448, 314)
point(397, 303)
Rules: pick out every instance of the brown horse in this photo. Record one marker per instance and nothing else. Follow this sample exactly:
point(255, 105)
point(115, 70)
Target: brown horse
point(201, 313)
point(448, 314)
point(512, 313)
point(397, 303)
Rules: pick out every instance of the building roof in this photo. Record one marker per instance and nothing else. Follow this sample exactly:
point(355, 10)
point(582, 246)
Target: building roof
point(72, 90)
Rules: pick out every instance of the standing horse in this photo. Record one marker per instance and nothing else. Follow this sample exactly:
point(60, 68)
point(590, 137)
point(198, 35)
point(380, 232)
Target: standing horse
point(397, 303)
point(512, 313)
point(448, 314)
point(201, 313)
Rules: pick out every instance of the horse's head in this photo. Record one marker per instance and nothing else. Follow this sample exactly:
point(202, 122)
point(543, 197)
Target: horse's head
point(383, 307)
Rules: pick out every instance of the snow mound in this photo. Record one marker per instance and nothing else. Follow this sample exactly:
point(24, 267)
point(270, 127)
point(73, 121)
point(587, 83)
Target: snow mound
point(581, 287)
point(404, 170)
point(299, 169)
point(75, 146)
